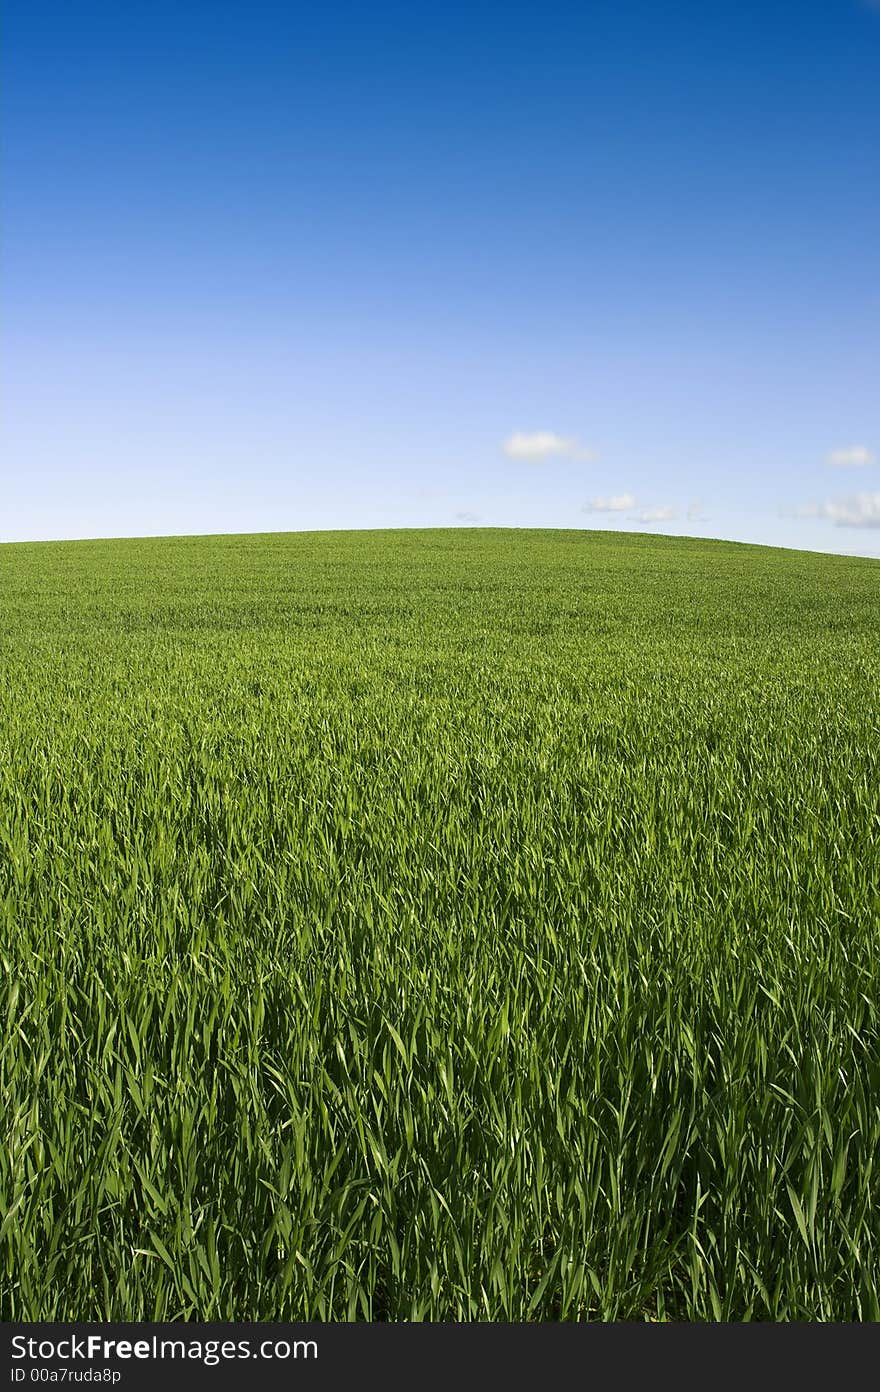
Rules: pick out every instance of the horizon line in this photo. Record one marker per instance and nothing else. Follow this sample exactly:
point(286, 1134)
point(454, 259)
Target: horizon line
point(466, 527)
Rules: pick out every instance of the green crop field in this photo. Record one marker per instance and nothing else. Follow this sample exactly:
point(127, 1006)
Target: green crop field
point(439, 925)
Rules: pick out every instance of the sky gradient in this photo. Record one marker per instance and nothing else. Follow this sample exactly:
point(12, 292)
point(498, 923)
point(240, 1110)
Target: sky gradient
point(271, 266)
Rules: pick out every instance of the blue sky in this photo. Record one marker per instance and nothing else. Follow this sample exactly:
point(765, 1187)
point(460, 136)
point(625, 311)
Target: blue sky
point(612, 263)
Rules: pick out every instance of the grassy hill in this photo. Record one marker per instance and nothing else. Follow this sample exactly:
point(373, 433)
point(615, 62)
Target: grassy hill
point(439, 924)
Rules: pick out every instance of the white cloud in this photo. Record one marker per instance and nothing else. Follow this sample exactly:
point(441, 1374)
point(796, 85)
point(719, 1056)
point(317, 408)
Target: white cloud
point(860, 510)
point(620, 502)
point(467, 517)
point(655, 514)
point(853, 457)
point(544, 444)
point(695, 511)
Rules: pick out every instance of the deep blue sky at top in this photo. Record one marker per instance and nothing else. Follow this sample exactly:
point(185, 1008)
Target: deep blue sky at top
point(272, 266)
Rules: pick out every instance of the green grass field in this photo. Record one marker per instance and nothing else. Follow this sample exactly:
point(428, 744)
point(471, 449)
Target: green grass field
point(439, 925)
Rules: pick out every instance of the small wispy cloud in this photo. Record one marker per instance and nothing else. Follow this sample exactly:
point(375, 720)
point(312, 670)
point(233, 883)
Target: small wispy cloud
point(860, 510)
point(853, 457)
point(655, 514)
point(466, 517)
point(618, 502)
point(544, 444)
point(695, 511)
